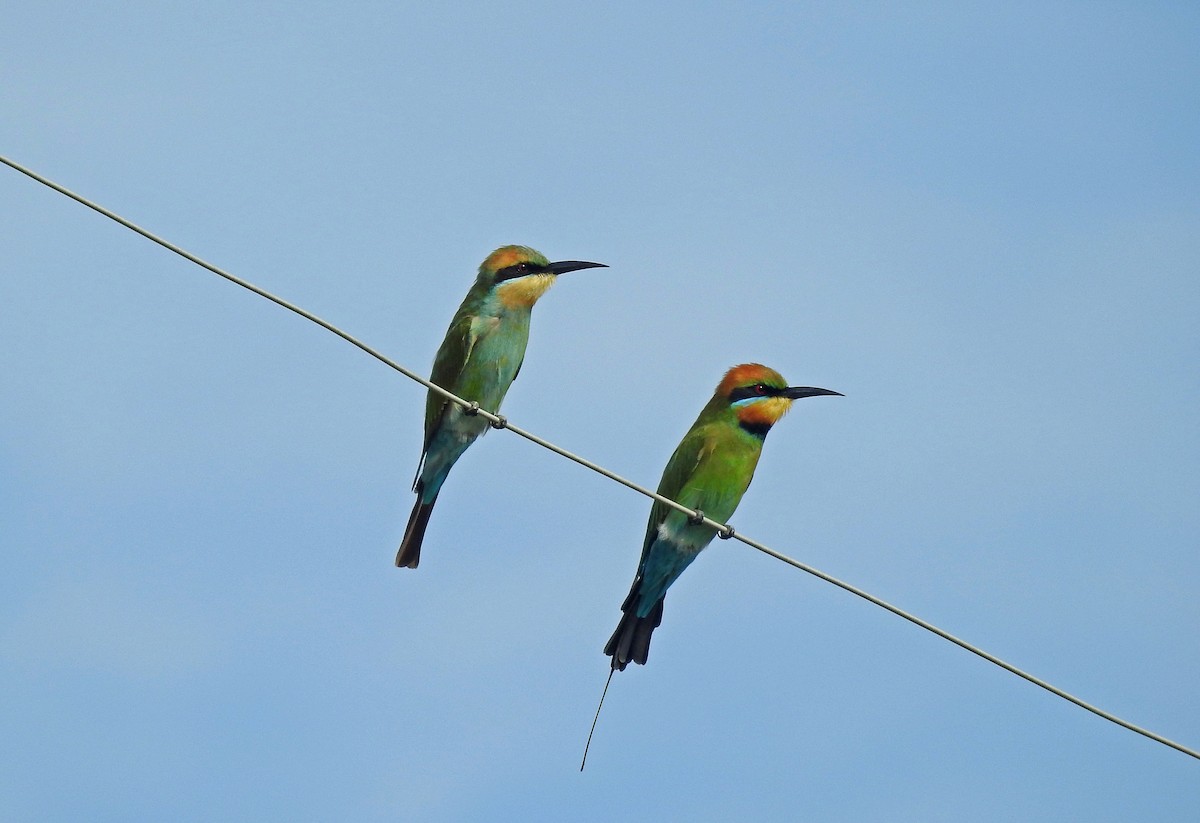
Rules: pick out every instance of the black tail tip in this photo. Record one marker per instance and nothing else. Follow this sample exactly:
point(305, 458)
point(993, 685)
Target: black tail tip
point(410, 547)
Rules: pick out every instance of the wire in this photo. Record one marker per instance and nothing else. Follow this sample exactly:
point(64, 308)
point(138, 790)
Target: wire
point(724, 531)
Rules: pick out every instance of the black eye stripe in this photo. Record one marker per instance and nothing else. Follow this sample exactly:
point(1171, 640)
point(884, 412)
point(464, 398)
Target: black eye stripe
point(517, 270)
point(757, 390)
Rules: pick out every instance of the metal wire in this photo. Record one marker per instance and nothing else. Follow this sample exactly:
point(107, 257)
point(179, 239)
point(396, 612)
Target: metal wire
point(724, 531)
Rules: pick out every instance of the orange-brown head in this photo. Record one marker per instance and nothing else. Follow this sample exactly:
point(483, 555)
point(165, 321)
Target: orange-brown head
point(758, 397)
point(520, 275)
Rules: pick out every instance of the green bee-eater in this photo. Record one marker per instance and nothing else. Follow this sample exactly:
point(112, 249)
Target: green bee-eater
point(478, 360)
point(709, 471)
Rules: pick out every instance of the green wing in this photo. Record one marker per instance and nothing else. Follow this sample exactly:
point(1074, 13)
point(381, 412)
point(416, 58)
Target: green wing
point(680, 468)
point(448, 364)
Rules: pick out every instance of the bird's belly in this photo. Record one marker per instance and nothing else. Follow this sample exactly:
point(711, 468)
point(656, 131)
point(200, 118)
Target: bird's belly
point(492, 367)
point(458, 427)
point(684, 536)
point(457, 431)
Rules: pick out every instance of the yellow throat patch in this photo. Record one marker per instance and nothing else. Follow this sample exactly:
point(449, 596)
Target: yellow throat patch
point(524, 291)
point(764, 412)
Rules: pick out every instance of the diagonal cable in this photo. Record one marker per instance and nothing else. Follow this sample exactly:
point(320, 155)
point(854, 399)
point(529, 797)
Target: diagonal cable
point(724, 531)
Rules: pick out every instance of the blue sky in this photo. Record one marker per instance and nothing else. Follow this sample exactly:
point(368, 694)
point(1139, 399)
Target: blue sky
point(979, 223)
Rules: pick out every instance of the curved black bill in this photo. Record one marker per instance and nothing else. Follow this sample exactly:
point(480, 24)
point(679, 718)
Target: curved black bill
point(796, 392)
point(564, 266)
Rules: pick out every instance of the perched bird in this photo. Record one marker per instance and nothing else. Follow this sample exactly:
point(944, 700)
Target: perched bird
point(709, 471)
point(478, 360)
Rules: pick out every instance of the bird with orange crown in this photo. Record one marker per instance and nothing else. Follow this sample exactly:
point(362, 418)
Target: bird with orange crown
point(709, 472)
point(478, 361)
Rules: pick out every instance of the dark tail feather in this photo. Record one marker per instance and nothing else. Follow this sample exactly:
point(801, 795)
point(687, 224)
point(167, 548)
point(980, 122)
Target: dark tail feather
point(410, 547)
point(631, 640)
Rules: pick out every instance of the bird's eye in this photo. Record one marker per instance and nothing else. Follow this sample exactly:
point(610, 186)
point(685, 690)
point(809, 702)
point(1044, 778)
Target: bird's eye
point(760, 389)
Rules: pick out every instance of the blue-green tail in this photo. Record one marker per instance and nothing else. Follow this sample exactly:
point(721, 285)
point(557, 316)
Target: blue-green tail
point(409, 554)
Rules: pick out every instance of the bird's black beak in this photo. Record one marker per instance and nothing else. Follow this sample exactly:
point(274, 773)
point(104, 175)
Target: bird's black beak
point(565, 266)
point(796, 392)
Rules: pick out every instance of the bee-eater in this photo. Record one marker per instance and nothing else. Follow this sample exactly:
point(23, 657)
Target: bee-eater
point(478, 360)
point(709, 471)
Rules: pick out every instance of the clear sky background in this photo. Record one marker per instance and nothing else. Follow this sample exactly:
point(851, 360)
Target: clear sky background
point(979, 221)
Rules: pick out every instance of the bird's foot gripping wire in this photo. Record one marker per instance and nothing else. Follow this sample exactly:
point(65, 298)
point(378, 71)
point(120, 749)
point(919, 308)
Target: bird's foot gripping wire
point(725, 532)
point(496, 421)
